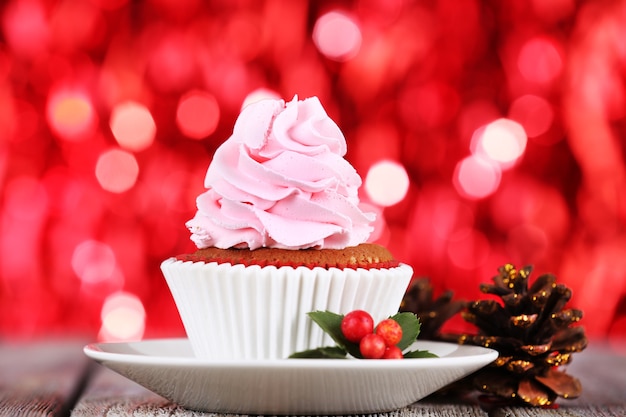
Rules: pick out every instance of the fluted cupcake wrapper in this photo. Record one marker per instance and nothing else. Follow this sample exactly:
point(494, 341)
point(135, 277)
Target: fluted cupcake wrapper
point(252, 312)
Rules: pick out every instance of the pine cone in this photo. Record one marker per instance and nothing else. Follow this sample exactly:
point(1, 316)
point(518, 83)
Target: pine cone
point(532, 333)
point(432, 313)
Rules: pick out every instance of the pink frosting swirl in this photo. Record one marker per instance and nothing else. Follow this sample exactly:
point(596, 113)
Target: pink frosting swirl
point(281, 181)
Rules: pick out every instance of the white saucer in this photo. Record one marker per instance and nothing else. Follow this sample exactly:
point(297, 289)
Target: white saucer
point(288, 386)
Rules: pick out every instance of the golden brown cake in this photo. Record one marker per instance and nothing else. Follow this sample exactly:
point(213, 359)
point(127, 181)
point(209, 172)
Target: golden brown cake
point(365, 256)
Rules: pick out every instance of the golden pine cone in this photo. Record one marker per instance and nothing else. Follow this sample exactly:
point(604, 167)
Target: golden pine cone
point(532, 332)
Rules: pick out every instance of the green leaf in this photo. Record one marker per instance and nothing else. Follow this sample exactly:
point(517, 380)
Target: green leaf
point(334, 352)
point(331, 324)
point(410, 324)
point(416, 354)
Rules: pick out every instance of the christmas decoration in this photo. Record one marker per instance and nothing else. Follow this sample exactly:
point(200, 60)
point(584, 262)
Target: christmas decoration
point(533, 333)
point(433, 313)
point(371, 343)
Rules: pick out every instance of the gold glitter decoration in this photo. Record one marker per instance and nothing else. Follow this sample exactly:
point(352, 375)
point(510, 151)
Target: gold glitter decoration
point(533, 334)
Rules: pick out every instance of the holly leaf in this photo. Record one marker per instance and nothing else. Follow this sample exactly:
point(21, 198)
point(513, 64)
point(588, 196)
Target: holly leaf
point(417, 354)
point(331, 324)
point(411, 325)
point(329, 352)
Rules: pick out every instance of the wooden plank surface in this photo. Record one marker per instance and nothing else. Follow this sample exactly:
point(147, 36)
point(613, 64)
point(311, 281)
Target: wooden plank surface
point(110, 394)
point(45, 379)
point(42, 379)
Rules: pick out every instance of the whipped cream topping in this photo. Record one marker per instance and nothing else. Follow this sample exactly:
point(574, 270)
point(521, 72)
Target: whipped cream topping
point(280, 181)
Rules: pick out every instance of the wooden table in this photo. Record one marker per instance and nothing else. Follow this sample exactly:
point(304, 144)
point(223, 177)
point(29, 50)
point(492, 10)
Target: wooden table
point(54, 378)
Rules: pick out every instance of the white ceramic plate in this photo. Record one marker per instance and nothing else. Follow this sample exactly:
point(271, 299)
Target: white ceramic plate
point(288, 386)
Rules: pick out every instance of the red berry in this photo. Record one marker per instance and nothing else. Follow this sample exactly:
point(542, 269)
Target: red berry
point(357, 324)
point(393, 352)
point(372, 346)
point(390, 331)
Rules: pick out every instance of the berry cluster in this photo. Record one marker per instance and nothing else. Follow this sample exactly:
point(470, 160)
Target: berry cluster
point(374, 343)
point(355, 336)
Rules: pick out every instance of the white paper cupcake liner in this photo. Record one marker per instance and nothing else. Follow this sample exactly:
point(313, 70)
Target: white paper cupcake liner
point(238, 312)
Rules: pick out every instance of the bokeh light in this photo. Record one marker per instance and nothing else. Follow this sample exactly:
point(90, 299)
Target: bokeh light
point(337, 36)
point(71, 114)
point(260, 94)
point(198, 114)
point(502, 141)
point(386, 183)
point(26, 27)
point(534, 113)
point(171, 63)
point(540, 60)
point(117, 170)
point(133, 126)
point(93, 261)
point(475, 177)
point(123, 318)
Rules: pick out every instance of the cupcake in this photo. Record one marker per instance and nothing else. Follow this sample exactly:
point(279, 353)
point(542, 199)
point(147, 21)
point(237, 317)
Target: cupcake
point(279, 233)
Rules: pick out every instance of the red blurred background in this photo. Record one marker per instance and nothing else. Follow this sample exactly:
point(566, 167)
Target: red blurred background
point(486, 132)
